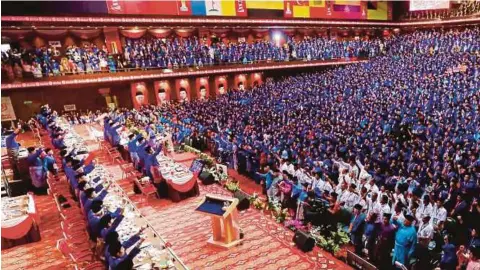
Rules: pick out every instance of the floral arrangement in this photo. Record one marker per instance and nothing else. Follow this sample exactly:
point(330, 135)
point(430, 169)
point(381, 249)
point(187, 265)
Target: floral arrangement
point(208, 161)
point(331, 241)
point(232, 186)
point(278, 212)
point(191, 149)
point(256, 202)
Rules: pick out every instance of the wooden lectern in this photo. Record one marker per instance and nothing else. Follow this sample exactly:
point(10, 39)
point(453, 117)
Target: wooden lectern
point(223, 211)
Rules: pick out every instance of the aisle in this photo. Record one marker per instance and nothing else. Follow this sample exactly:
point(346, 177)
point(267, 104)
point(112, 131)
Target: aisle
point(267, 244)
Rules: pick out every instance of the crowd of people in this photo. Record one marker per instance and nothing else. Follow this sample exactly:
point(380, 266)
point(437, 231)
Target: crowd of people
point(465, 8)
point(192, 52)
point(49, 61)
point(175, 52)
point(393, 142)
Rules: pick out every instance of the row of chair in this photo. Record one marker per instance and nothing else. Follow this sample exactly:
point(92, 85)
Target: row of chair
point(75, 245)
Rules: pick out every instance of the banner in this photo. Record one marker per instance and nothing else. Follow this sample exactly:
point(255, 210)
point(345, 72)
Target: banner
point(69, 107)
point(8, 113)
point(139, 94)
point(203, 88)
point(162, 92)
point(166, 7)
point(179, 7)
point(55, 44)
point(236, 8)
point(337, 9)
point(183, 90)
point(221, 85)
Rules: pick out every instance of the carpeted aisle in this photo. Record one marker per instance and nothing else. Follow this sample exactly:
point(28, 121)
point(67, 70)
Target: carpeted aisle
point(267, 245)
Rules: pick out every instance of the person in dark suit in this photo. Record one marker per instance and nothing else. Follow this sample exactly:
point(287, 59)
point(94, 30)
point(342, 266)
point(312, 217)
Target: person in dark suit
point(356, 228)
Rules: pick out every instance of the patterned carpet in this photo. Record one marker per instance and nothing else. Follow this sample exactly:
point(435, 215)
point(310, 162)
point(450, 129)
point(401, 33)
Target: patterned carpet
point(43, 254)
point(267, 245)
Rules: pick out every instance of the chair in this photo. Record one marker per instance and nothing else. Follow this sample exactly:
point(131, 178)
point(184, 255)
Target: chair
point(93, 266)
point(82, 256)
point(128, 170)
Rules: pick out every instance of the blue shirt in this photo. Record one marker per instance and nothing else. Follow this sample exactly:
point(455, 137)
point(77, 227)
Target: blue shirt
point(48, 163)
point(132, 145)
point(87, 205)
point(34, 159)
point(11, 141)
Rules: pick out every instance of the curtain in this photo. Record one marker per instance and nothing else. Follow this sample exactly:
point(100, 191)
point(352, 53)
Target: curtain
point(133, 33)
point(160, 32)
point(184, 32)
point(307, 32)
point(16, 34)
point(51, 33)
point(289, 32)
point(86, 34)
point(241, 30)
point(220, 32)
point(260, 32)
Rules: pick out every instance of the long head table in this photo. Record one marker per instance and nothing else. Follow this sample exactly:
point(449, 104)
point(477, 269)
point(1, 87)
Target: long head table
point(155, 253)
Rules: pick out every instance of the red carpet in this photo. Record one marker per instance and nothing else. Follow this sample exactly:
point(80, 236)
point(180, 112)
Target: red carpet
point(267, 244)
point(43, 254)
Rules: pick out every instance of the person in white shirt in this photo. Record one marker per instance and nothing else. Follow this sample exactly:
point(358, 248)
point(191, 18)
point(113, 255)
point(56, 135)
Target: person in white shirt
point(363, 199)
point(287, 166)
point(300, 174)
point(328, 185)
point(363, 172)
point(317, 182)
point(340, 189)
point(439, 214)
point(398, 197)
point(273, 190)
point(376, 207)
point(371, 186)
point(425, 231)
point(350, 197)
point(343, 167)
point(398, 214)
point(425, 208)
point(385, 208)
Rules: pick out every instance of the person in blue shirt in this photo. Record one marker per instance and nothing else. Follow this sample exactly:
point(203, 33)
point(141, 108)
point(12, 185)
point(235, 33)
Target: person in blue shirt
point(266, 179)
point(151, 162)
point(405, 240)
point(94, 216)
point(12, 145)
point(449, 259)
point(132, 148)
point(108, 224)
point(35, 167)
point(119, 258)
point(112, 238)
point(49, 162)
point(58, 142)
point(142, 143)
point(90, 197)
point(356, 227)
